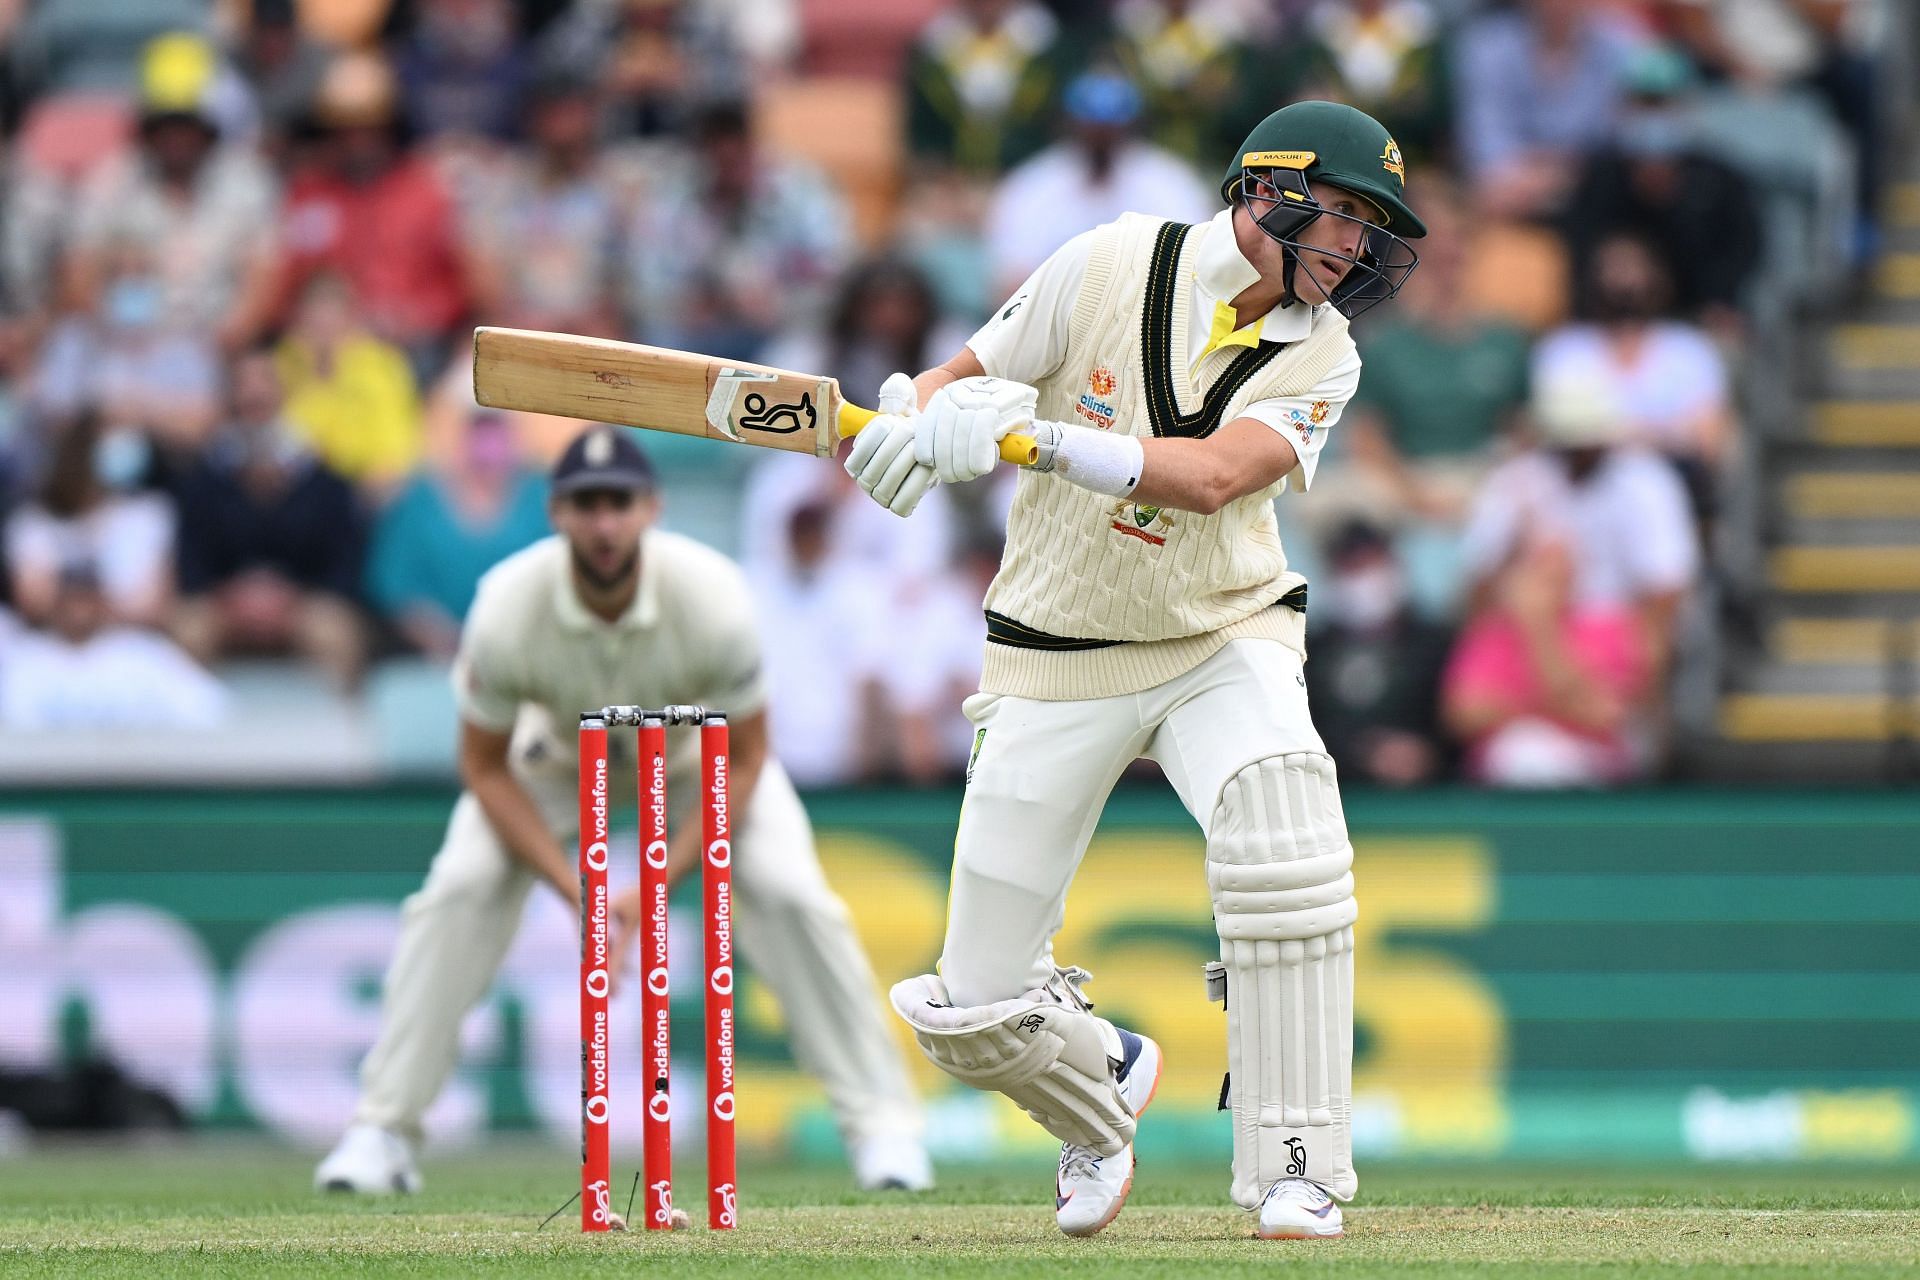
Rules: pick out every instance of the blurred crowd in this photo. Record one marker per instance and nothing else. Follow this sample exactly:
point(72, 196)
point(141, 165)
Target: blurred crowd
point(243, 244)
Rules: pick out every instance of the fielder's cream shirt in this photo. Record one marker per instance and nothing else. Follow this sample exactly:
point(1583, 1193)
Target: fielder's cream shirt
point(688, 637)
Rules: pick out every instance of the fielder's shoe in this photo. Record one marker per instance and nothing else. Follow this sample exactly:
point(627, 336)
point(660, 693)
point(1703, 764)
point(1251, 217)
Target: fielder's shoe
point(892, 1162)
point(370, 1161)
point(1091, 1189)
point(1296, 1209)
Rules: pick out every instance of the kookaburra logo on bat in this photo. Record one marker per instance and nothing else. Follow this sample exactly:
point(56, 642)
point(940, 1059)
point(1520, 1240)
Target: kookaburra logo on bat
point(756, 410)
point(777, 418)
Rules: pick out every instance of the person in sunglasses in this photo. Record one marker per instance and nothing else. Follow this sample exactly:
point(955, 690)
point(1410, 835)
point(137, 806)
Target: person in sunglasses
point(1177, 378)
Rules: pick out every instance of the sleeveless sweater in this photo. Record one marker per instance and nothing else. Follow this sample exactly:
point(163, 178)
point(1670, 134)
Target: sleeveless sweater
point(1098, 597)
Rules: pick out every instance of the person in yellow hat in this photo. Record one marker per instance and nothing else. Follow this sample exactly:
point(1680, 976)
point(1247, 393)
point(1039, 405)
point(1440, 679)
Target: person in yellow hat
point(203, 205)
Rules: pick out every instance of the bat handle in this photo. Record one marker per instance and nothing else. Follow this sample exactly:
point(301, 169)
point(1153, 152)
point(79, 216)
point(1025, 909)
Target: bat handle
point(1020, 450)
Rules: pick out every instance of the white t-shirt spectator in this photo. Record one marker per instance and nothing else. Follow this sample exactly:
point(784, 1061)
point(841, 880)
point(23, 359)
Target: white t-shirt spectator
point(129, 538)
point(945, 635)
point(1628, 526)
point(121, 678)
point(816, 707)
point(1042, 204)
point(1675, 379)
point(890, 552)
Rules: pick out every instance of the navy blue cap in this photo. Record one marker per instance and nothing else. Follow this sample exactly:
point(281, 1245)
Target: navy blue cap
point(603, 457)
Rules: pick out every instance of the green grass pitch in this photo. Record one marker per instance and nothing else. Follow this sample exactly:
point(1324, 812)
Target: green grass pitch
point(217, 1209)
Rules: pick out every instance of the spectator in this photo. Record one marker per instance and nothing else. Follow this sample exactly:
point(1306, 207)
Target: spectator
point(548, 228)
point(825, 721)
point(1826, 46)
point(461, 69)
point(447, 528)
point(1443, 387)
point(378, 216)
point(1670, 379)
point(1616, 510)
point(1539, 86)
point(1654, 181)
point(204, 209)
point(735, 245)
point(35, 210)
point(981, 81)
point(87, 672)
point(270, 541)
point(1376, 689)
point(883, 318)
point(88, 512)
point(1542, 692)
point(932, 739)
point(1097, 173)
point(1189, 59)
point(655, 65)
point(351, 396)
point(1386, 57)
point(128, 360)
point(283, 65)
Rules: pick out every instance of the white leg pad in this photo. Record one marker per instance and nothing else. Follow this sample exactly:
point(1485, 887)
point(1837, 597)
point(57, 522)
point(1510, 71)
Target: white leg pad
point(1045, 1051)
point(1280, 869)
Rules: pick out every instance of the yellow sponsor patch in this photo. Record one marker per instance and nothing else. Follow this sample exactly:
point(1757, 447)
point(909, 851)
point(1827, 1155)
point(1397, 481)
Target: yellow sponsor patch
point(1276, 159)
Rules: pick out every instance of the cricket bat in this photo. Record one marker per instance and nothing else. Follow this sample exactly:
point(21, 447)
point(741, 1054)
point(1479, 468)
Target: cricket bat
point(661, 390)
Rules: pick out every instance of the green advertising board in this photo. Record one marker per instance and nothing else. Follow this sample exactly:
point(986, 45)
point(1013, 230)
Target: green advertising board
point(1636, 975)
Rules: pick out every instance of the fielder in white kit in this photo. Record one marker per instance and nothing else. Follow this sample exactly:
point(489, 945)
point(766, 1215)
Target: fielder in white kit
point(1175, 376)
point(614, 611)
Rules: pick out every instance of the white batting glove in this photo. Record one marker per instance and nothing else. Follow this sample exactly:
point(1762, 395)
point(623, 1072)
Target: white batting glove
point(958, 433)
point(881, 461)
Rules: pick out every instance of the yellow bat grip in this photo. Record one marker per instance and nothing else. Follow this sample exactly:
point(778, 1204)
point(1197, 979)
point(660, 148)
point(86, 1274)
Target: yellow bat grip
point(1020, 450)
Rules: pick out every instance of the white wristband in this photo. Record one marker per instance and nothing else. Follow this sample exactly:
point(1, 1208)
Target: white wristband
point(1096, 460)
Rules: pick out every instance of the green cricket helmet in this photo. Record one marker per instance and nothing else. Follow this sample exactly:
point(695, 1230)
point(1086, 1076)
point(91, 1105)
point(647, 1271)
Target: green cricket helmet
point(1343, 147)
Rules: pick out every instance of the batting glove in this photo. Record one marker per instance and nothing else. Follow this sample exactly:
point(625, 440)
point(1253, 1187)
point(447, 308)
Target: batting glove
point(882, 461)
point(958, 433)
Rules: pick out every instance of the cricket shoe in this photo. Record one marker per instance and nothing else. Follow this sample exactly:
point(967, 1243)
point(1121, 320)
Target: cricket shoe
point(370, 1161)
point(892, 1162)
point(1091, 1189)
point(1296, 1209)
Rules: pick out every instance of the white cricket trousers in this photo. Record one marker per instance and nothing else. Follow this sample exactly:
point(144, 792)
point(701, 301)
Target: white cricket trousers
point(793, 930)
point(1043, 772)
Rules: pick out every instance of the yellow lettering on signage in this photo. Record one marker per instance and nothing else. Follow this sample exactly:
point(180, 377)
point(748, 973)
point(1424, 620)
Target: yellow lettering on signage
point(1432, 1035)
point(1435, 1034)
point(1872, 1124)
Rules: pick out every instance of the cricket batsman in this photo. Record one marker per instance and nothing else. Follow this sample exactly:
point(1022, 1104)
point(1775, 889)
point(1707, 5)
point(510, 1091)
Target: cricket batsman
point(611, 611)
point(1176, 376)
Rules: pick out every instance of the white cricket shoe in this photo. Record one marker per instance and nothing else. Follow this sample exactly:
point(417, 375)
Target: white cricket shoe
point(370, 1161)
point(892, 1162)
point(1091, 1189)
point(1296, 1209)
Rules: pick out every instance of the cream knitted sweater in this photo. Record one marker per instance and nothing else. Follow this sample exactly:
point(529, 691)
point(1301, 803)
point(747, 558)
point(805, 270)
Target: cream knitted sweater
point(1097, 597)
